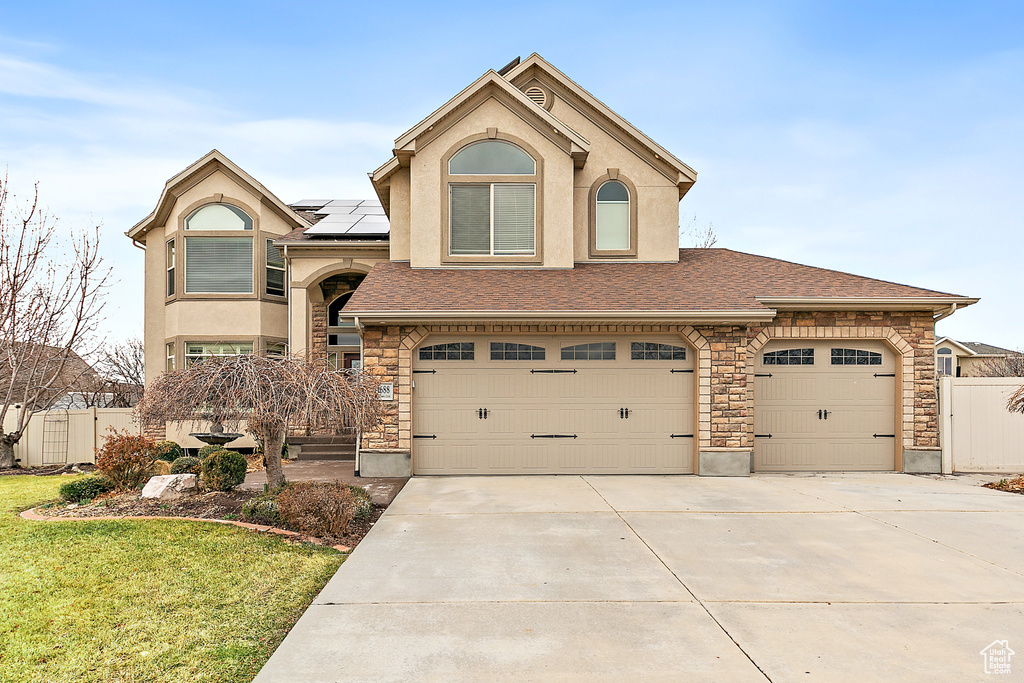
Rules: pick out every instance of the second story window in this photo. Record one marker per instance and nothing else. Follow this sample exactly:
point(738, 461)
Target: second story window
point(612, 217)
point(492, 201)
point(170, 267)
point(217, 262)
point(275, 270)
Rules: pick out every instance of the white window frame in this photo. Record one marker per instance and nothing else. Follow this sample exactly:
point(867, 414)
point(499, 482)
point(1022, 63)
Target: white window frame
point(170, 361)
point(490, 216)
point(238, 351)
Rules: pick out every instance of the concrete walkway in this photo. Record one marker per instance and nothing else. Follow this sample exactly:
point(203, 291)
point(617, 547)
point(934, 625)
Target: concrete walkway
point(825, 577)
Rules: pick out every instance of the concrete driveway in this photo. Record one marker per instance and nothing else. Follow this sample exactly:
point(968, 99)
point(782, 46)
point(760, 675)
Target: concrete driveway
point(825, 577)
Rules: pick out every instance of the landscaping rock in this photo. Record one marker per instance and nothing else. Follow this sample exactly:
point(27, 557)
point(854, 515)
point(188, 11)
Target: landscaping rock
point(171, 487)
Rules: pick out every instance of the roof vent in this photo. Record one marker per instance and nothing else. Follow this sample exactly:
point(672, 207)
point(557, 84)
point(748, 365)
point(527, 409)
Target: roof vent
point(537, 95)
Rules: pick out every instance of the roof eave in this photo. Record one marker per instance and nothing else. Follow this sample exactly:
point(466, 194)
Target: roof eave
point(905, 303)
point(671, 317)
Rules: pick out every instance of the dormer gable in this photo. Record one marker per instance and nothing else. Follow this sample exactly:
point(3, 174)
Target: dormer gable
point(211, 163)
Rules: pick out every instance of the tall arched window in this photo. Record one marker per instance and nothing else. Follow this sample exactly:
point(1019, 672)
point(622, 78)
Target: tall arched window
point(492, 200)
point(612, 216)
point(613, 212)
point(215, 261)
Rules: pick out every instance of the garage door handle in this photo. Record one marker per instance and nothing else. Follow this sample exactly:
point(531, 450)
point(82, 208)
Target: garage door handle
point(552, 372)
point(826, 414)
point(481, 413)
point(552, 436)
point(819, 414)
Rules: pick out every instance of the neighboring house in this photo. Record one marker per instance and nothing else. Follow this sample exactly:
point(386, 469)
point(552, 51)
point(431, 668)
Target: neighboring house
point(969, 359)
point(64, 373)
point(520, 284)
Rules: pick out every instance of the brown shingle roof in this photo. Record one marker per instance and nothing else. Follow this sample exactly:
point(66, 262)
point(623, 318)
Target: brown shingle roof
point(702, 280)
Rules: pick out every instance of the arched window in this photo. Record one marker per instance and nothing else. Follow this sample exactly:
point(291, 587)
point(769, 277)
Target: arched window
point(491, 157)
point(218, 263)
point(218, 217)
point(492, 200)
point(612, 217)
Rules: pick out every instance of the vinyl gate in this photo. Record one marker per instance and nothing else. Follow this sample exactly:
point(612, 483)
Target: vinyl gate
point(976, 431)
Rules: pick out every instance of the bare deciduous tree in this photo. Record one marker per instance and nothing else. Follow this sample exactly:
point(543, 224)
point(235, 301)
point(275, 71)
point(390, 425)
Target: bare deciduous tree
point(121, 376)
point(1010, 365)
point(51, 287)
point(268, 394)
point(696, 236)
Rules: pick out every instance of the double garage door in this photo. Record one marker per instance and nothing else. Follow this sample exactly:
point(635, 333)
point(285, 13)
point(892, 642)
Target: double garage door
point(547, 405)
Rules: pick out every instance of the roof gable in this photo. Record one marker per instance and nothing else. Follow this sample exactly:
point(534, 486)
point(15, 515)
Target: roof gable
point(488, 86)
point(210, 163)
point(536, 67)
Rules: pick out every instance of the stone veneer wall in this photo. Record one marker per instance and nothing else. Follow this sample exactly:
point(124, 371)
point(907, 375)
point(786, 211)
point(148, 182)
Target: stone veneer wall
point(724, 382)
point(332, 287)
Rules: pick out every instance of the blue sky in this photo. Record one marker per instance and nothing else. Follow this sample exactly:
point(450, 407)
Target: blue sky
point(880, 138)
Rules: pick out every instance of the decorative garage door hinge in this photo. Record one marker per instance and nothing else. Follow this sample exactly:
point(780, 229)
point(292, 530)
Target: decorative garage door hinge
point(680, 436)
point(885, 374)
point(884, 436)
point(424, 372)
point(424, 436)
point(762, 436)
point(762, 374)
point(673, 370)
point(552, 436)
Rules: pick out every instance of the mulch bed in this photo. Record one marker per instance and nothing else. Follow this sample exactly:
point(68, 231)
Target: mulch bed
point(48, 470)
point(1015, 485)
point(214, 505)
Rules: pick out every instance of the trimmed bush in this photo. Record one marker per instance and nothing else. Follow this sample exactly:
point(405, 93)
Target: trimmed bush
point(223, 470)
point(323, 508)
point(168, 451)
point(209, 449)
point(126, 459)
point(187, 465)
point(160, 467)
point(86, 488)
point(262, 510)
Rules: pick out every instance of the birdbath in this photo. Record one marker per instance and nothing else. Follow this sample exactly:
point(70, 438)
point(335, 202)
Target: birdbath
point(216, 436)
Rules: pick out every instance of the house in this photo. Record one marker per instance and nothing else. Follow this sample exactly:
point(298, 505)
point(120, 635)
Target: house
point(518, 282)
point(49, 376)
point(972, 359)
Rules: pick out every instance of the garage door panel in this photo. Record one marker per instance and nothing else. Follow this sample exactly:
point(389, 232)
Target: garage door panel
point(553, 400)
point(791, 404)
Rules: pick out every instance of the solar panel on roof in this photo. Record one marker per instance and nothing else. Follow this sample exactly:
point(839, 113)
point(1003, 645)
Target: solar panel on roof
point(344, 202)
point(309, 203)
point(369, 210)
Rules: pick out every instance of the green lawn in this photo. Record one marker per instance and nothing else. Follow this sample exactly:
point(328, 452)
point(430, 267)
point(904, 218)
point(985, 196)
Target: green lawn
point(143, 600)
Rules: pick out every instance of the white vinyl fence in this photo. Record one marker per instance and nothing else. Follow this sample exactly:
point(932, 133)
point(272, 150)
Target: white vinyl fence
point(56, 437)
point(976, 431)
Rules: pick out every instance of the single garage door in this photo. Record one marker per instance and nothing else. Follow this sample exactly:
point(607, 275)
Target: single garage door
point(548, 405)
point(824, 406)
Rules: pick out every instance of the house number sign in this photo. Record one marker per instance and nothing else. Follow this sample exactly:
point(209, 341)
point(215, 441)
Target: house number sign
point(386, 391)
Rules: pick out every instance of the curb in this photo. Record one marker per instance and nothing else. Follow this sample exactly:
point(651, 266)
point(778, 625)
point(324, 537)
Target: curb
point(34, 516)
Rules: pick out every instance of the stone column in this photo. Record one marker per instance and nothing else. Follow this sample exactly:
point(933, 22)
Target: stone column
point(731, 443)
